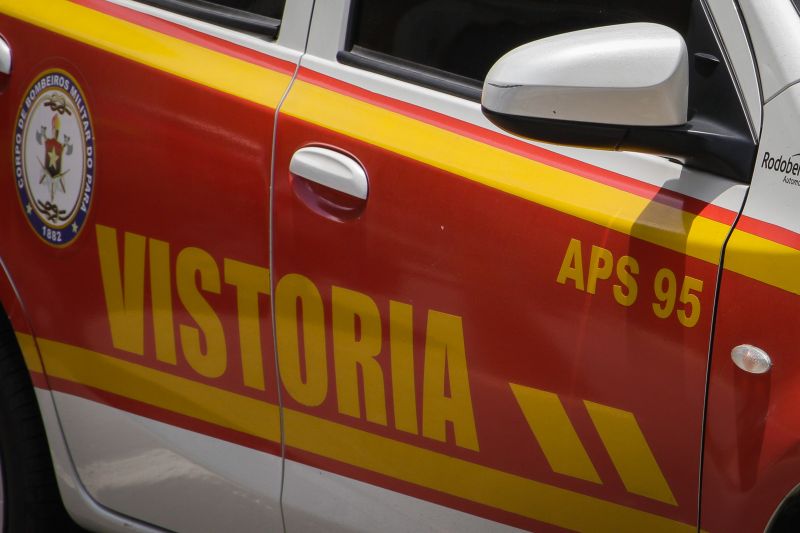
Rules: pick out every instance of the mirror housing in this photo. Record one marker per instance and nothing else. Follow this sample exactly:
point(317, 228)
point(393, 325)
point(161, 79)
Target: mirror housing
point(628, 74)
point(622, 87)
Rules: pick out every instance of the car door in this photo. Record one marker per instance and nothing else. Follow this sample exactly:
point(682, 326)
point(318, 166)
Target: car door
point(752, 466)
point(476, 331)
point(136, 232)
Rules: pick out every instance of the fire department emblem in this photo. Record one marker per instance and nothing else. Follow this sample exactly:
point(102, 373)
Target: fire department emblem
point(54, 157)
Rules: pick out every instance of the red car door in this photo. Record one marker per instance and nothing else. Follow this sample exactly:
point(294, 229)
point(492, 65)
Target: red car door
point(472, 328)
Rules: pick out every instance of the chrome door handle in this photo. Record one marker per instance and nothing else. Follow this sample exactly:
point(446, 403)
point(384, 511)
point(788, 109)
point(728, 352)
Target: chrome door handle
point(332, 169)
point(5, 57)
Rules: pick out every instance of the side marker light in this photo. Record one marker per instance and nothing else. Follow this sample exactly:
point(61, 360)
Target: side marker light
point(751, 359)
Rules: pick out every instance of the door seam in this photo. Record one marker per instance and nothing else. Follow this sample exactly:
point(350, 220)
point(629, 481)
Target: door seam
point(271, 226)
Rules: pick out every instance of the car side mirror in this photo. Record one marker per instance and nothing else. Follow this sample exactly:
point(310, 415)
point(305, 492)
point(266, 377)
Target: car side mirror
point(622, 87)
point(629, 75)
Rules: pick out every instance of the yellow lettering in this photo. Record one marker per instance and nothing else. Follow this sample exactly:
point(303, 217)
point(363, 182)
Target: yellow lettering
point(250, 281)
point(446, 368)
point(354, 350)
point(401, 342)
point(627, 268)
point(665, 287)
point(572, 265)
point(212, 361)
point(689, 318)
point(600, 265)
point(124, 291)
point(161, 294)
point(291, 290)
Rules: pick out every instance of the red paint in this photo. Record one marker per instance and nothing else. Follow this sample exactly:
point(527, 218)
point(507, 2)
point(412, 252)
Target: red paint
point(771, 232)
point(39, 380)
point(522, 148)
point(175, 161)
point(443, 242)
point(165, 416)
point(751, 456)
point(426, 237)
point(204, 169)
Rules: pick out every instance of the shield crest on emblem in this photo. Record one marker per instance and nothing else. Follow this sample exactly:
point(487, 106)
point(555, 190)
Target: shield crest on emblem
point(53, 152)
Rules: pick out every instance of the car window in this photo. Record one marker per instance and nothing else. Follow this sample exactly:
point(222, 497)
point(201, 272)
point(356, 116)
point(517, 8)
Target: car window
point(465, 37)
point(261, 17)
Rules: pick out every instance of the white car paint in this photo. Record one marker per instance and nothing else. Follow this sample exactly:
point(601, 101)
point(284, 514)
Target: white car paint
point(775, 192)
point(166, 475)
point(774, 26)
point(639, 71)
point(344, 505)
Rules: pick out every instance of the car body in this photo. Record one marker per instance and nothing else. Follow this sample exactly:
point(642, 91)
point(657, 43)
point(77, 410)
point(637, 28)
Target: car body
point(284, 271)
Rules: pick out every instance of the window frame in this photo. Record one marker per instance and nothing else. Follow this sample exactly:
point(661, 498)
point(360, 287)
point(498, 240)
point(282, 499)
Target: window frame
point(401, 69)
point(354, 55)
point(227, 17)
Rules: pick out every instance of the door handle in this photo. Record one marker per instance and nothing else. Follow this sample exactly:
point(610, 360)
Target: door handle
point(5, 57)
point(332, 169)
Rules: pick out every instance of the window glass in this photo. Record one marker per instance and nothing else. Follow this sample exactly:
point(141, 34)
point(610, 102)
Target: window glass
point(466, 37)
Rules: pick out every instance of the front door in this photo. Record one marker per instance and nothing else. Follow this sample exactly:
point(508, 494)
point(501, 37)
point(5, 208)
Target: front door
point(485, 331)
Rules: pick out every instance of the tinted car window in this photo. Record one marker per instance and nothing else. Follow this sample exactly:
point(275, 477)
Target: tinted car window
point(466, 37)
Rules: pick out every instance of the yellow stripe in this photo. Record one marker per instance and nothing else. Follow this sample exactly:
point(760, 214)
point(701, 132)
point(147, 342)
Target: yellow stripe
point(183, 59)
point(601, 204)
point(517, 175)
point(29, 352)
point(159, 389)
point(515, 494)
point(555, 433)
point(568, 193)
point(629, 452)
point(764, 260)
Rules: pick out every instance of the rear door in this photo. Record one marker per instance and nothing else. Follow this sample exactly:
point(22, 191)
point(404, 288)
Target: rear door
point(489, 331)
point(136, 231)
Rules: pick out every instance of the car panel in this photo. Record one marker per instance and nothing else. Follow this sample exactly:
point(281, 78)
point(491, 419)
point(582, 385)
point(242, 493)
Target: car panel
point(182, 126)
point(445, 189)
point(773, 30)
point(449, 230)
point(750, 454)
point(737, 46)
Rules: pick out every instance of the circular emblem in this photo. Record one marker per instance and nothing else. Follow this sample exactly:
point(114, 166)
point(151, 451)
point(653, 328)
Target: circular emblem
point(54, 157)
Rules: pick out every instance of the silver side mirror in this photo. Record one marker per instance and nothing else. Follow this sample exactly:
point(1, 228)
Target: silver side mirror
point(624, 87)
point(628, 74)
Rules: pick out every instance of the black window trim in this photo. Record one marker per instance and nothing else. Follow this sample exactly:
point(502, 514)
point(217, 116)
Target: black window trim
point(229, 17)
point(400, 69)
point(422, 75)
